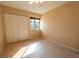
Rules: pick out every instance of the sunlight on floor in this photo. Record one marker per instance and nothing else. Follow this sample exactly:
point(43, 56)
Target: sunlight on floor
point(20, 52)
point(30, 49)
point(24, 51)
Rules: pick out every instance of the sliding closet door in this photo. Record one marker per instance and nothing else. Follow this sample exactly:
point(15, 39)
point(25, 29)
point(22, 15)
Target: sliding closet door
point(11, 26)
point(16, 28)
point(23, 27)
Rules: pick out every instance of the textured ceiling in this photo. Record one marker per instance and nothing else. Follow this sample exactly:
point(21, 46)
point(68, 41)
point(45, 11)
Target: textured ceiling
point(24, 5)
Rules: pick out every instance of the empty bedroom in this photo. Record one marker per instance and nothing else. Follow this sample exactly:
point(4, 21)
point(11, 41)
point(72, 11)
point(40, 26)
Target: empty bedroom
point(39, 29)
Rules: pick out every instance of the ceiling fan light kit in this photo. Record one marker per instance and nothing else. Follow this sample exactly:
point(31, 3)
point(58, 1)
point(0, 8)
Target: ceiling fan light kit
point(37, 2)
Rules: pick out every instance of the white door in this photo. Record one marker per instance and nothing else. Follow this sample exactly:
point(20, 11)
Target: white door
point(16, 28)
point(11, 27)
point(23, 27)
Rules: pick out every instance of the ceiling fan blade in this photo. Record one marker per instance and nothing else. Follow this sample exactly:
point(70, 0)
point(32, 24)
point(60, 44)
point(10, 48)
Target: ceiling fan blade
point(31, 2)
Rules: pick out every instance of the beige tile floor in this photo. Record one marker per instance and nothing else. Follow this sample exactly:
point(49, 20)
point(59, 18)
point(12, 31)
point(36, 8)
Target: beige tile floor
point(39, 48)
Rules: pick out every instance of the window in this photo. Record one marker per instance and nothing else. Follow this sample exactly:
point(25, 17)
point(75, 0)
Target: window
point(34, 24)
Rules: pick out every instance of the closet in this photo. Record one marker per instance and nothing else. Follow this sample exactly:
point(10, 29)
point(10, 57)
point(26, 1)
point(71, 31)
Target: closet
point(16, 27)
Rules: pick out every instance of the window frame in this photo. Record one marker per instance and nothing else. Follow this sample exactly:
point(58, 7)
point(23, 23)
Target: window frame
point(34, 24)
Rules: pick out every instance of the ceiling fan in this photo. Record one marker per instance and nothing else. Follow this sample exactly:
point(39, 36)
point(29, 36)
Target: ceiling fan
point(37, 2)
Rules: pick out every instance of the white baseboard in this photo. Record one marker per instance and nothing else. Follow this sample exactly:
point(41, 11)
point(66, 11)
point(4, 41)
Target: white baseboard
point(73, 49)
